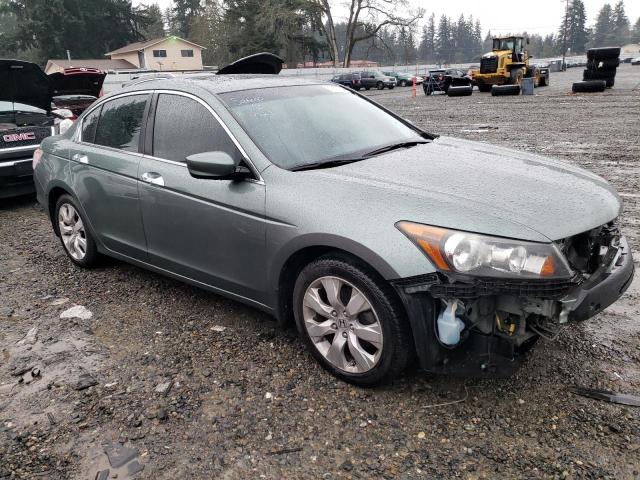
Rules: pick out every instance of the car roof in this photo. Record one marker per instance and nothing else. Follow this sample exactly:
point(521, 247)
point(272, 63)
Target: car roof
point(217, 84)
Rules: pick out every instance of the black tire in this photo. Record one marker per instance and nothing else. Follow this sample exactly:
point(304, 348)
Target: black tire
point(503, 90)
point(484, 87)
point(460, 91)
point(604, 64)
point(397, 339)
point(91, 256)
point(427, 90)
point(603, 53)
point(403, 83)
point(544, 81)
point(589, 86)
point(610, 82)
point(598, 74)
point(380, 86)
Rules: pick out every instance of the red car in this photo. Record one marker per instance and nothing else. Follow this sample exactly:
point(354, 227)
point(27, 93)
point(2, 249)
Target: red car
point(76, 88)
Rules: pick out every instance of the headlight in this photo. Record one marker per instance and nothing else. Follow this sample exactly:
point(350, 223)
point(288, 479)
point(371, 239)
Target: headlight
point(482, 255)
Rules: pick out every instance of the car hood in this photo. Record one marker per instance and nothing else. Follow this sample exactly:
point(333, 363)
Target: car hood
point(480, 188)
point(87, 83)
point(24, 82)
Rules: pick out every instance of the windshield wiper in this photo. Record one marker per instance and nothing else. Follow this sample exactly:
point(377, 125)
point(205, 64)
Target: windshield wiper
point(394, 146)
point(343, 161)
point(325, 164)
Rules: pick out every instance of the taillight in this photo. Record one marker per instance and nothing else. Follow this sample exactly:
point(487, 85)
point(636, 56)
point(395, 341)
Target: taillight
point(37, 155)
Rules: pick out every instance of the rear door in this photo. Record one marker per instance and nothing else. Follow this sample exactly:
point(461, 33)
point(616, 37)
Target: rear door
point(105, 164)
point(211, 231)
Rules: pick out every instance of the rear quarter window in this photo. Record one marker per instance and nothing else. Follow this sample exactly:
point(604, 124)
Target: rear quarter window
point(89, 125)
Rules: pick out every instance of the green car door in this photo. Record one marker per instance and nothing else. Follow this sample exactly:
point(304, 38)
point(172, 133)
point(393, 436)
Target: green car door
point(104, 170)
point(210, 231)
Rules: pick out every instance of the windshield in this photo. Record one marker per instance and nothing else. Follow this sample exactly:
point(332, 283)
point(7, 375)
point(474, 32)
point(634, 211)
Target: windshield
point(503, 44)
point(507, 44)
point(302, 125)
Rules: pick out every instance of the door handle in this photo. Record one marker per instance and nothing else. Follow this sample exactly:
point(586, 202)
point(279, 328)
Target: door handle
point(153, 178)
point(78, 157)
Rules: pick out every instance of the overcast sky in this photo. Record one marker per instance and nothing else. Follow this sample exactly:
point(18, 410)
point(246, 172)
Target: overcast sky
point(538, 16)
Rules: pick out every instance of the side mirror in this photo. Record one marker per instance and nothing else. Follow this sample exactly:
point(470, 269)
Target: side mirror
point(213, 165)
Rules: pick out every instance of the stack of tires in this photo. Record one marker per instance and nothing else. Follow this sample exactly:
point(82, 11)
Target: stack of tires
point(602, 64)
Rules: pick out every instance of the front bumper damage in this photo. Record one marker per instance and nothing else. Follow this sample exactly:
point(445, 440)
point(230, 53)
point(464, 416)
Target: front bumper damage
point(503, 318)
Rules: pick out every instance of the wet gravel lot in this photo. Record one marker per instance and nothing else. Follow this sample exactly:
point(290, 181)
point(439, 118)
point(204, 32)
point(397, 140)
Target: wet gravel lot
point(156, 379)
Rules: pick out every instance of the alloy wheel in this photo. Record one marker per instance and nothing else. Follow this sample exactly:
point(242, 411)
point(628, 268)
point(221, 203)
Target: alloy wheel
point(72, 231)
point(342, 324)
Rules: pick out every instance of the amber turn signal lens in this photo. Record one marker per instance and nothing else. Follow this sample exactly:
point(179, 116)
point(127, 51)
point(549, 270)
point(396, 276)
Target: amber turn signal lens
point(428, 239)
point(547, 269)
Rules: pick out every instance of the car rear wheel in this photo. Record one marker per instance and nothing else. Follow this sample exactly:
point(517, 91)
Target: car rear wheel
point(74, 233)
point(351, 322)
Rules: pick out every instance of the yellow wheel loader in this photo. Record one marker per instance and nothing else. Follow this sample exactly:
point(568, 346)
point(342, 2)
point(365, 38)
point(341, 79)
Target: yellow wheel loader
point(507, 64)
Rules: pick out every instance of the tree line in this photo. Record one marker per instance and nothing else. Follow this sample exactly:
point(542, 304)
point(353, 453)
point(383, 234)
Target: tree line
point(385, 31)
point(611, 28)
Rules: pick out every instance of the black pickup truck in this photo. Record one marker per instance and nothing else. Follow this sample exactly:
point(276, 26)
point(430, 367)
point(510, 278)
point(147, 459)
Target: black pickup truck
point(31, 106)
point(25, 120)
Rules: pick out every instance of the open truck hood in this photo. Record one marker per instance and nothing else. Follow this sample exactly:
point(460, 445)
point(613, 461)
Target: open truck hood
point(260, 63)
point(77, 81)
point(24, 83)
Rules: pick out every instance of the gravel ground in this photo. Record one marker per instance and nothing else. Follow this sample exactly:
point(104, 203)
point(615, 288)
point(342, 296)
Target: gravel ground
point(160, 376)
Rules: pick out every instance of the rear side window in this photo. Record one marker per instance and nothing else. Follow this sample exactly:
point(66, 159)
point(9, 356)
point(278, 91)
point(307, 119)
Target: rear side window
point(89, 125)
point(120, 123)
point(184, 127)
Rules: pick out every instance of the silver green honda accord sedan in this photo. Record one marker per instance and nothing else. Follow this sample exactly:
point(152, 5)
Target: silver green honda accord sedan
point(387, 246)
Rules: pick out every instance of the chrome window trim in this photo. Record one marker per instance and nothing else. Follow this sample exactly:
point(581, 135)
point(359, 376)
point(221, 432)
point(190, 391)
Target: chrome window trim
point(259, 180)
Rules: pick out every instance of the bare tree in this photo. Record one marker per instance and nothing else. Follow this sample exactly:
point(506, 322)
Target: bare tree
point(366, 19)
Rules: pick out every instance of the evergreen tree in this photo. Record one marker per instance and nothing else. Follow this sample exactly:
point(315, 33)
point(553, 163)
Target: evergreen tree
point(184, 13)
point(444, 40)
point(621, 26)
point(576, 30)
point(635, 37)
point(87, 28)
point(603, 31)
point(427, 48)
point(155, 28)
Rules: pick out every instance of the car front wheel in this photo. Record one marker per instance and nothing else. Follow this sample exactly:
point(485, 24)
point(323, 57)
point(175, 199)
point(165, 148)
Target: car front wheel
point(74, 233)
point(351, 321)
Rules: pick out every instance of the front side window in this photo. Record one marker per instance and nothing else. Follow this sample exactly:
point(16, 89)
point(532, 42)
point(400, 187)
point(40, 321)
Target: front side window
point(159, 53)
point(302, 125)
point(89, 125)
point(186, 53)
point(184, 127)
point(120, 122)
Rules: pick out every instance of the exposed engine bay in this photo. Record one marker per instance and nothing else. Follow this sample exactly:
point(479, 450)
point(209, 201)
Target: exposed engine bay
point(478, 314)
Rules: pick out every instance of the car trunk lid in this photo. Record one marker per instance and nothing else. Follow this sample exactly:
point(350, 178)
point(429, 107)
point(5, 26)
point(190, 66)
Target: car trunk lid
point(259, 63)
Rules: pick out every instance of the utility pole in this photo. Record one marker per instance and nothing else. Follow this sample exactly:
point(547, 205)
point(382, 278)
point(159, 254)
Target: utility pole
point(68, 55)
point(564, 35)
